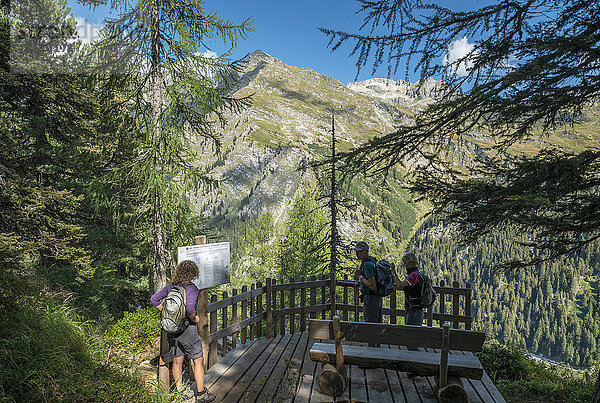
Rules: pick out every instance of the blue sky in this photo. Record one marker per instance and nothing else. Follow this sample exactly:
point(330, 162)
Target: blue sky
point(285, 29)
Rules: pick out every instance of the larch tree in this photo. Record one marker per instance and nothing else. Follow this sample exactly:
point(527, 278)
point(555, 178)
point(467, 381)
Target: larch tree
point(179, 90)
point(532, 68)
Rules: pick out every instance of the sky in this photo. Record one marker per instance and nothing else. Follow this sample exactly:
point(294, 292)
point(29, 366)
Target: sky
point(285, 29)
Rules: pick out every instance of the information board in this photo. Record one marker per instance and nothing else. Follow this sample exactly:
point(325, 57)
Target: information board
point(212, 260)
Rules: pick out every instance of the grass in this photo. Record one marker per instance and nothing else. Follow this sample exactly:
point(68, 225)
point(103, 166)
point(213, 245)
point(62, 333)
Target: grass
point(521, 379)
point(47, 352)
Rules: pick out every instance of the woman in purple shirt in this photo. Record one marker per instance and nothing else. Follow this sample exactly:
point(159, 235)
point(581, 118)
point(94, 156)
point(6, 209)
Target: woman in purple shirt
point(187, 342)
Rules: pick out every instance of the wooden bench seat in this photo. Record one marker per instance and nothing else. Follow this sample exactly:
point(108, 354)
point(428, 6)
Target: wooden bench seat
point(448, 367)
point(420, 363)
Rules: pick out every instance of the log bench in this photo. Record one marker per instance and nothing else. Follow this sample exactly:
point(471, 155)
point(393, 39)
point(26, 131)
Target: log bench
point(448, 368)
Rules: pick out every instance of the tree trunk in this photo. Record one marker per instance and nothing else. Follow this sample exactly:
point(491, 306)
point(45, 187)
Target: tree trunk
point(596, 397)
point(334, 232)
point(159, 265)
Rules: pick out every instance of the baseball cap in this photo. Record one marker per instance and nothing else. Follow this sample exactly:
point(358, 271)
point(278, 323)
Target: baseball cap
point(361, 246)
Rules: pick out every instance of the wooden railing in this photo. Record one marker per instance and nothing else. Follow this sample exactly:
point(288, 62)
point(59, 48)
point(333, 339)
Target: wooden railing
point(281, 308)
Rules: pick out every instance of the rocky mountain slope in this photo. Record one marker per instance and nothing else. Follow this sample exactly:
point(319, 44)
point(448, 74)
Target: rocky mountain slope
point(266, 145)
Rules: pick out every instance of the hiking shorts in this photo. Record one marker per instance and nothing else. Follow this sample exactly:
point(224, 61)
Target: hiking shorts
point(188, 343)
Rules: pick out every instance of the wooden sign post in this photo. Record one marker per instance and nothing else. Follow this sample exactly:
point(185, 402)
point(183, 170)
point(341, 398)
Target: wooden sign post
point(202, 311)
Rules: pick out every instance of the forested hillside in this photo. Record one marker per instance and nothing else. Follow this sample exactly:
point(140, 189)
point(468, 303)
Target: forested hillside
point(551, 309)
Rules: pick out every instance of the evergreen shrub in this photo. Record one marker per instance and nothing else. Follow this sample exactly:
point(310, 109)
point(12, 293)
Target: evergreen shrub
point(520, 378)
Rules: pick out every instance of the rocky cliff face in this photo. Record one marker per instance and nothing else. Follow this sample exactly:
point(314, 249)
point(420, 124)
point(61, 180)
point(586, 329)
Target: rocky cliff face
point(266, 145)
point(401, 92)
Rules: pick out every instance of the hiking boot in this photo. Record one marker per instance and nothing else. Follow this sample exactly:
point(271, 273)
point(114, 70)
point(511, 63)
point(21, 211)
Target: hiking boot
point(186, 392)
point(205, 396)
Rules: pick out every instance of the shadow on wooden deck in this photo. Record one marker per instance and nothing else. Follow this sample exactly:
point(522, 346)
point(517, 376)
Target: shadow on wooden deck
point(280, 370)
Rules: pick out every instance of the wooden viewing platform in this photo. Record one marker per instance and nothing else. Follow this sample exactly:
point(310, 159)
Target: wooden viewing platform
point(258, 345)
point(280, 370)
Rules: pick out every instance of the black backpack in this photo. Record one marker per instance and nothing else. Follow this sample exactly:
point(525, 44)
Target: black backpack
point(421, 295)
point(385, 278)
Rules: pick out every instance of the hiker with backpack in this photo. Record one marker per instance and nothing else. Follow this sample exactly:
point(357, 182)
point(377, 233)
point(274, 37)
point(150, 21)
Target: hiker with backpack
point(177, 303)
point(418, 290)
point(367, 276)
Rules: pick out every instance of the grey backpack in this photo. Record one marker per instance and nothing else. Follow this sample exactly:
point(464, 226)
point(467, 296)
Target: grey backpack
point(428, 294)
point(173, 317)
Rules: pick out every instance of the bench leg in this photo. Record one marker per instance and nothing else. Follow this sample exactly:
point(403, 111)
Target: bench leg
point(454, 391)
point(331, 382)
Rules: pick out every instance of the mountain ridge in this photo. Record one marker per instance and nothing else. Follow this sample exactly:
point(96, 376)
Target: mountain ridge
point(266, 146)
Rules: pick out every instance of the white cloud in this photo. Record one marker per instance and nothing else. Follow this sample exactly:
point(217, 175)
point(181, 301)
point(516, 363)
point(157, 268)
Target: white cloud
point(209, 53)
point(86, 31)
point(457, 51)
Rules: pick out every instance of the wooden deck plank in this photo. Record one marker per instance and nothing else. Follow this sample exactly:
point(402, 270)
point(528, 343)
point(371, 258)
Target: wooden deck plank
point(431, 379)
point(478, 386)
point(294, 372)
point(225, 362)
point(394, 383)
point(410, 393)
point(223, 378)
point(234, 391)
point(276, 386)
point(263, 376)
point(492, 389)
point(472, 394)
point(357, 391)
point(378, 389)
point(307, 370)
point(421, 385)
point(305, 391)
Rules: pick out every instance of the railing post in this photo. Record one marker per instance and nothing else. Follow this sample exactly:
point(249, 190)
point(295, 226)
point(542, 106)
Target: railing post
point(234, 320)
point(212, 350)
point(313, 297)
point(202, 311)
point(274, 317)
point(292, 295)
point(323, 299)
point(259, 309)
point(224, 324)
point(392, 307)
point(345, 300)
point(356, 298)
point(244, 332)
point(455, 305)
point(303, 305)
point(332, 294)
point(468, 306)
point(268, 293)
point(442, 303)
point(282, 306)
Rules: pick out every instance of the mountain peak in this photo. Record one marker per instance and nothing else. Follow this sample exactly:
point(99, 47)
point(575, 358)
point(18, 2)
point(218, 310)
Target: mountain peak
point(260, 55)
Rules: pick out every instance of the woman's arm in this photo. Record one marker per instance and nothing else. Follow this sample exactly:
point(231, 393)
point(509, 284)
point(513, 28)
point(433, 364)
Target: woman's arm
point(158, 296)
point(400, 285)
